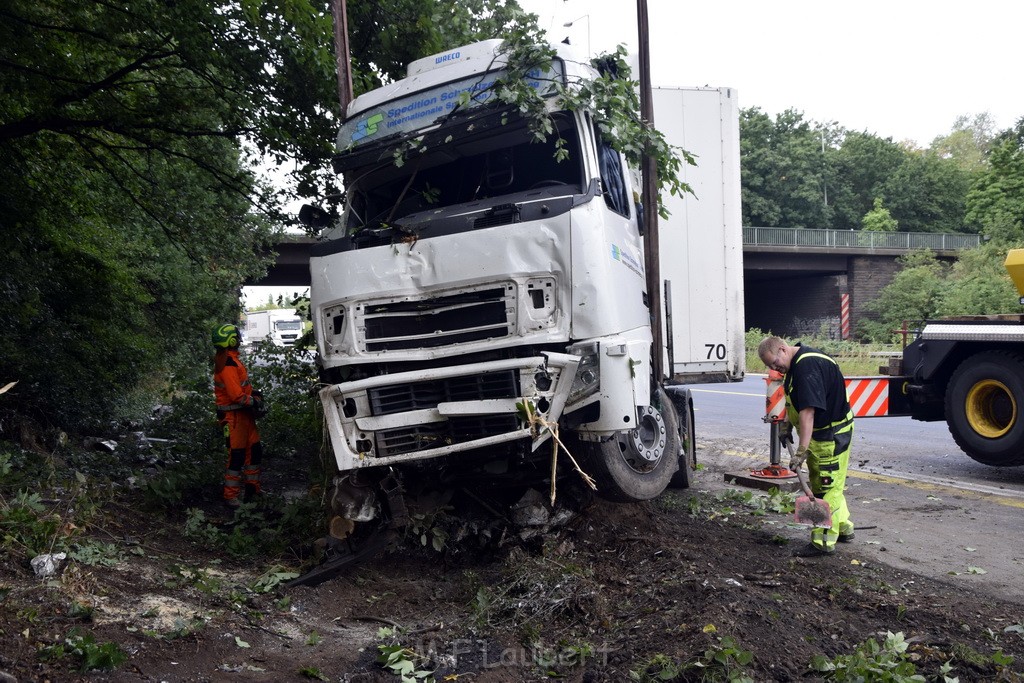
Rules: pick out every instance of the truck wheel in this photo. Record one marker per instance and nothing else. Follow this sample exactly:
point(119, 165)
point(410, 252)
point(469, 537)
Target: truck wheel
point(688, 453)
point(639, 464)
point(985, 408)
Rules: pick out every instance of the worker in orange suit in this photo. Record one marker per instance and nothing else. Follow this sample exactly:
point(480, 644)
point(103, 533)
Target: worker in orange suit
point(238, 406)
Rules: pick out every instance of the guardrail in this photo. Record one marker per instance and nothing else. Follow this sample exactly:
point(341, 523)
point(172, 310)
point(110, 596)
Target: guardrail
point(863, 239)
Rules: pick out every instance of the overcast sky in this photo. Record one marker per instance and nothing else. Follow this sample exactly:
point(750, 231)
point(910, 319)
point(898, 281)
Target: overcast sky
point(903, 69)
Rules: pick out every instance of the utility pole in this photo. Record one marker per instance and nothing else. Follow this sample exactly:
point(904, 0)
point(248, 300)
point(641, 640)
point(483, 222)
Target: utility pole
point(341, 54)
point(650, 199)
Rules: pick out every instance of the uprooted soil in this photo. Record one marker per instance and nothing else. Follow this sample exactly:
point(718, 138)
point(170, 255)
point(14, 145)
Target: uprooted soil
point(649, 592)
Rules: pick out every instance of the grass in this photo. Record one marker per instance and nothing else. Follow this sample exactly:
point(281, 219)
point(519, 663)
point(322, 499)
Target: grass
point(855, 359)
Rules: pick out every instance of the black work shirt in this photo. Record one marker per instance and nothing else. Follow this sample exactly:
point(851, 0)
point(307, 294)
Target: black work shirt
point(816, 382)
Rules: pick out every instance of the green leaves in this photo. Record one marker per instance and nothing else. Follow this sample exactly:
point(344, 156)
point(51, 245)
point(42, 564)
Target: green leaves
point(614, 99)
point(92, 656)
point(872, 661)
point(879, 219)
point(996, 202)
point(401, 661)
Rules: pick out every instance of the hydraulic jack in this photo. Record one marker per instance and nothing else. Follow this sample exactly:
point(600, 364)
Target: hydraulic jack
point(775, 475)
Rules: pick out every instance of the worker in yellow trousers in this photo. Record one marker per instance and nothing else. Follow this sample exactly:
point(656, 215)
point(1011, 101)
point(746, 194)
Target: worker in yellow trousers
point(817, 406)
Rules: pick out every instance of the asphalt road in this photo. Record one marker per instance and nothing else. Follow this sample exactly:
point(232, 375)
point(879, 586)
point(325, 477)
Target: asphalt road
point(933, 510)
point(896, 446)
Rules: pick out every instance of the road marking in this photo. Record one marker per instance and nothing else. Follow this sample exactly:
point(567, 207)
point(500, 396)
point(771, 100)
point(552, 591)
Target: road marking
point(1007, 498)
point(731, 393)
point(1003, 497)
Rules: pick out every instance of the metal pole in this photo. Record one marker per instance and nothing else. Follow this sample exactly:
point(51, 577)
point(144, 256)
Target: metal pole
point(650, 199)
point(342, 56)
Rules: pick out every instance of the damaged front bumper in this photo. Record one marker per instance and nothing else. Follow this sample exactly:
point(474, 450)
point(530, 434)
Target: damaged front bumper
point(424, 414)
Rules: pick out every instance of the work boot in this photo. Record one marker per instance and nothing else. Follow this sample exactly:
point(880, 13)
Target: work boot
point(233, 503)
point(846, 532)
point(812, 550)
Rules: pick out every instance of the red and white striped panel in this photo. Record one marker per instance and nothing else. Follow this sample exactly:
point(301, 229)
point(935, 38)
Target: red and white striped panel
point(869, 396)
point(844, 316)
point(775, 399)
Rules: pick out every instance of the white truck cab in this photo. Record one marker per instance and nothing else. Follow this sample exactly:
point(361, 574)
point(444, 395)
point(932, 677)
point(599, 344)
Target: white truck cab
point(488, 288)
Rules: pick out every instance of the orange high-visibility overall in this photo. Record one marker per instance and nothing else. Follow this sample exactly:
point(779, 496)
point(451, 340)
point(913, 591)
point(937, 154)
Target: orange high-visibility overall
point(235, 415)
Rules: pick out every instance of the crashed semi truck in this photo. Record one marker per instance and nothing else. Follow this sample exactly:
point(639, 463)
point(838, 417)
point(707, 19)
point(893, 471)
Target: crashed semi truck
point(479, 293)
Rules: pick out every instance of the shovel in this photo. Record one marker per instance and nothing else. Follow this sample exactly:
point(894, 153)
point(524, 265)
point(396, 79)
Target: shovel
point(809, 509)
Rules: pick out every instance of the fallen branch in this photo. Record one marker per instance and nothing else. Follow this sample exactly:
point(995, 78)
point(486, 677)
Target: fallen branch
point(381, 620)
point(271, 631)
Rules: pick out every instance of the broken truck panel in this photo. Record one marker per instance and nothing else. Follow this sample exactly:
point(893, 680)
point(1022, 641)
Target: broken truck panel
point(397, 418)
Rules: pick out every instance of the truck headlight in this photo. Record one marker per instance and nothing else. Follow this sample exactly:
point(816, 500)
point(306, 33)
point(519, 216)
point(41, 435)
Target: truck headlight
point(588, 372)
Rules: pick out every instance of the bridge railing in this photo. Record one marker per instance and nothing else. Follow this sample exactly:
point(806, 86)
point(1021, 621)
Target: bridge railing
point(864, 239)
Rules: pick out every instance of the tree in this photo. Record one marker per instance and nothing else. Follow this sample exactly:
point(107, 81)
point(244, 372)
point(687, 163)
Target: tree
point(879, 219)
point(783, 171)
point(860, 166)
point(996, 201)
point(130, 216)
point(927, 193)
point(912, 295)
point(979, 284)
point(968, 143)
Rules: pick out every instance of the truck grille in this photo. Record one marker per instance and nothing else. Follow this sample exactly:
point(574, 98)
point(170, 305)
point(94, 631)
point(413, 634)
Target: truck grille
point(422, 395)
point(438, 434)
point(439, 321)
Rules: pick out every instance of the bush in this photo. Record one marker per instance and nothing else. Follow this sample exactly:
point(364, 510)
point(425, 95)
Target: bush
point(288, 379)
point(913, 295)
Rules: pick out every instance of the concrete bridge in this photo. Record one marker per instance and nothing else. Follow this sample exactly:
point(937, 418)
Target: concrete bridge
point(794, 278)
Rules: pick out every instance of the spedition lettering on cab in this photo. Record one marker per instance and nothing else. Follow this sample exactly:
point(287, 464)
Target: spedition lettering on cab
point(419, 104)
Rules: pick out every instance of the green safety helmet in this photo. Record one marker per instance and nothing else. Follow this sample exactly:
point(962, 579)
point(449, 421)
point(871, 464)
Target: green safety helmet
point(226, 336)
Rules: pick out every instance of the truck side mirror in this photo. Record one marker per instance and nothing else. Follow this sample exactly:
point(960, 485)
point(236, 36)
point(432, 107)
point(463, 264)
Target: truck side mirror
point(639, 208)
point(314, 217)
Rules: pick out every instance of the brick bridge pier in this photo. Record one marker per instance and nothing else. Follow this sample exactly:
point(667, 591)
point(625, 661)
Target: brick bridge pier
point(794, 279)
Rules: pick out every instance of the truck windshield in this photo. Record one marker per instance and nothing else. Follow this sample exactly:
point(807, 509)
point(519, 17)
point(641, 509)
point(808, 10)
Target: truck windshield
point(505, 161)
point(289, 325)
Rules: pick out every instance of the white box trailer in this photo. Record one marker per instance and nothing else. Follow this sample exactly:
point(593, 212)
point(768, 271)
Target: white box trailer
point(701, 243)
point(278, 326)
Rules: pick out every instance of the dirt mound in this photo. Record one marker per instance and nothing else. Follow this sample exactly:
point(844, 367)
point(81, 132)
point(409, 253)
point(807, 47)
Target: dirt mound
point(684, 588)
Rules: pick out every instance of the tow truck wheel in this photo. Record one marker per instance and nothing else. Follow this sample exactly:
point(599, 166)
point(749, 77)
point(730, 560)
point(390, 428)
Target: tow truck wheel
point(985, 408)
point(639, 464)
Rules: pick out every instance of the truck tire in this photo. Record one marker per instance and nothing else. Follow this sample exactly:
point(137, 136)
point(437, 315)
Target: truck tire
point(639, 464)
point(985, 408)
point(683, 403)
